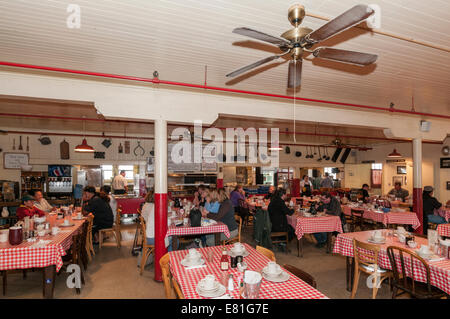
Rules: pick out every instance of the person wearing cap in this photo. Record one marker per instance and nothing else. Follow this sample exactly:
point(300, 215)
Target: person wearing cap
point(430, 208)
point(398, 191)
point(98, 205)
point(119, 184)
point(28, 209)
point(41, 203)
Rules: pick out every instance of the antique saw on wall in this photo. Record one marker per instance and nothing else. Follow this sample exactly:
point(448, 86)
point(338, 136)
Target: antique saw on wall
point(299, 39)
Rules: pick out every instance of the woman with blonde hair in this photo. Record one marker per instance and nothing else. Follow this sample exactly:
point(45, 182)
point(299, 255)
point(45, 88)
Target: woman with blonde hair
point(224, 215)
point(212, 201)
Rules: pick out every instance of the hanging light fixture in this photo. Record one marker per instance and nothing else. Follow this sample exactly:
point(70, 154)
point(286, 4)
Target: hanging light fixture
point(395, 154)
point(84, 147)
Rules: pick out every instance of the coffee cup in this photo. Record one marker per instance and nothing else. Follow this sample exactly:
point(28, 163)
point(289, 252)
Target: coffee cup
point(42, 233)
point(412, 244)
point(424, 249)
point(66, 222)
point(238, 247)
point(208, 282)
point(402, 238)
point(55, 230)
point(193, 254)
point(79, 215)
point(273, 268)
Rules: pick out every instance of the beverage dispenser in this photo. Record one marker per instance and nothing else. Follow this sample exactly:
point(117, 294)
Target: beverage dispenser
point(60, 181)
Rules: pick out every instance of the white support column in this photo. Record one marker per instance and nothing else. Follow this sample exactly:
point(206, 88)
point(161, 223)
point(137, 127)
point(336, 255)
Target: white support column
point(160, 172)
point(417, 183)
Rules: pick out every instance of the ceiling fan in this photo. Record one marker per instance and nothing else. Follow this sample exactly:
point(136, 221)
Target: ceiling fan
point(299, 39)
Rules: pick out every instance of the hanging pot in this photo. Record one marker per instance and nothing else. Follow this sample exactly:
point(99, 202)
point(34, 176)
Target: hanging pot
point(64, 150)
point(298, 154)
point(107, 143)
point(45, 140)
point(288, 150)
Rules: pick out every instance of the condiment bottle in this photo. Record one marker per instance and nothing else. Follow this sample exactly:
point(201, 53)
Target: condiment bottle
point(230, 283)
point(224, 260)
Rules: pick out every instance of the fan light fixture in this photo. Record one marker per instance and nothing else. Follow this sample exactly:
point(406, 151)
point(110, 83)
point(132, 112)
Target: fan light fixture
point(84, 147)
point(395, 154)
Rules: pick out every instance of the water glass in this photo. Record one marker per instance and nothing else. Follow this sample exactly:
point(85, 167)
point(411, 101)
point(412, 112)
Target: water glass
point(252, 290)
point(210, 256)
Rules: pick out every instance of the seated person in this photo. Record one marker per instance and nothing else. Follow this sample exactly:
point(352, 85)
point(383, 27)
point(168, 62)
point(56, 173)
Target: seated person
point(277, 213)
point(430, 207)
point(106, 189)
point(200, 196)
point(331, 206)
point(365, 193)
point(41, 203)
point(212, 204)
point(399, 192)
point(225, 215)
point(28, 209)
point(98, 205)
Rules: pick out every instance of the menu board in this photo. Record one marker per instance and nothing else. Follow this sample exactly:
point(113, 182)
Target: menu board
point(209, 160)
point(15, 160)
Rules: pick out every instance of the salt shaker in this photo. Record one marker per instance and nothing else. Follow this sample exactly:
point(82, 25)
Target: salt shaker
point(230, 283)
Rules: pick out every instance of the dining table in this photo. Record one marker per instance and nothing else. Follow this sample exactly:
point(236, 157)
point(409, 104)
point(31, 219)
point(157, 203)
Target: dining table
point(188, 277)
point(390, 218)
point(320, 223)
point(439, 268)
point(46, 252)
point(211, 227)
point(444, 230)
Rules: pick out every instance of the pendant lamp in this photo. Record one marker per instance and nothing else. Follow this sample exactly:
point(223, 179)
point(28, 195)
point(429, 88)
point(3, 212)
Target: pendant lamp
point(395, 154)
point(84, 147)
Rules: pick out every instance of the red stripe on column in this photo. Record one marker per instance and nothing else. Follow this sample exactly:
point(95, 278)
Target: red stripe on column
point(418, 208)
point(219, 183)
point(160, 231)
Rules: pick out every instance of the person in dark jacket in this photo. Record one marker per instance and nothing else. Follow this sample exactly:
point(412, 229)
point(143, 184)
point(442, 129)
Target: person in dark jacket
point(365, 193)
point(98, 205)
point(224, 215)
point(271, 192)
point(430, 203)
point(331, 206)
point(278, 211)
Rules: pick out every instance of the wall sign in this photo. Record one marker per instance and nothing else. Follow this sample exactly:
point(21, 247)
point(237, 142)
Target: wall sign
point(448, 186)
point(445, 162)
point(15, 160)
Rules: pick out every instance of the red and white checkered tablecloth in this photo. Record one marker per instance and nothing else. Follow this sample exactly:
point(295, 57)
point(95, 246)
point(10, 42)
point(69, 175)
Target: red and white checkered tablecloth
point(444, 230)
point(219, 227)
point(310, 225)
point(188, 279)
point(26, 256)
point(402, 218)
point(439, 270)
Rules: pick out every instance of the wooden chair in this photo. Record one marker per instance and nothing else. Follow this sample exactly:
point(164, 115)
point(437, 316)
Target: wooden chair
point(89, 243)
point(244, 212)
point(74, 257)
point(147, 249)
point(280, 237)
point(301, 274)
point(177, 289)
point(165, 271)
point(266, 252)
point(407, 283)
point(83, 241)
point(366, 260)
point(238, 237)
point(357, 220)
point(114, 230)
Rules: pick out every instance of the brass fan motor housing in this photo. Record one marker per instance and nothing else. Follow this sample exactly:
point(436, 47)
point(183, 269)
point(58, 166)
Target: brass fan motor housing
point(296, 13)
point(296, 34)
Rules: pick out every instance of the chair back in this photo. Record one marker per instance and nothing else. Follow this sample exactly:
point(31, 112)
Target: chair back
point(301, 275)
point(239, 221)
point(365, 254)
point(266, 252)
point(177, 289)
point(90, 224)
point(406, 266)
point(165, 271)
point(357, 217)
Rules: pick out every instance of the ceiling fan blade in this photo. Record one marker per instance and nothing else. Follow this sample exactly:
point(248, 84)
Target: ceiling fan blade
point(342, 22)
point(261, 36)
point(295, 73)
point(345, 56)
point(253, 65)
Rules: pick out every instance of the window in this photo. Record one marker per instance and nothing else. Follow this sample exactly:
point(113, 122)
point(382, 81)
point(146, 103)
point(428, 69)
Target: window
point(377, 166)
point(107, 171)
point(129, 171)
point(376, 175)
point(329, 170)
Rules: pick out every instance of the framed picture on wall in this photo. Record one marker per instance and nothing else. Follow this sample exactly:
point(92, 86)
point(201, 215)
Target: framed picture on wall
point(401, 170)
point(445, 162)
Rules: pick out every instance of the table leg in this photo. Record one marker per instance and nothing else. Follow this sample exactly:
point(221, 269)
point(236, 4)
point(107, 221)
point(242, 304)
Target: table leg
point(329, 240)
point(174, 243)
point(217, 238)
point(349, 273)
point(49, 276)
point(300, 247)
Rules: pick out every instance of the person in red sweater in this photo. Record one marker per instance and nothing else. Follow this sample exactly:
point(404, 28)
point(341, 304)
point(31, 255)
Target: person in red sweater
point(27, 208)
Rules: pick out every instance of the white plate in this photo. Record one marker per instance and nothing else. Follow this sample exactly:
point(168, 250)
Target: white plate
point(266, 271)
point(189, 263)
point(219, 292)
point(373, 241)
point(244, 253)
point(283, 276)
point(66, 225)
point(213, 289)
point(424, 256)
